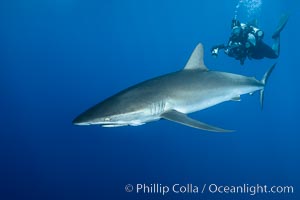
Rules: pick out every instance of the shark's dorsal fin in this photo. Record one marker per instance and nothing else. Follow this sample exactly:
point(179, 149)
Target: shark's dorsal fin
point(196, 59)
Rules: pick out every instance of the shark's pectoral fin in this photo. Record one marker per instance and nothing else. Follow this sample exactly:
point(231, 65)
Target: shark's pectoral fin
point(181, 118)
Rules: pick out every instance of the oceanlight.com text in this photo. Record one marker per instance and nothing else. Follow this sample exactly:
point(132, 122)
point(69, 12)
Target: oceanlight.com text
point(164, 189)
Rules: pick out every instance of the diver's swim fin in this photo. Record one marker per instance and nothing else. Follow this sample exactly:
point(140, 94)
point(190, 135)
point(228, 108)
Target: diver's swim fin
point(283, 20)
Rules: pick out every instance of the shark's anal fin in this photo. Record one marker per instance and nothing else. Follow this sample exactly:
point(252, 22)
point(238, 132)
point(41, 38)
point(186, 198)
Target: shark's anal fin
point(181, 118)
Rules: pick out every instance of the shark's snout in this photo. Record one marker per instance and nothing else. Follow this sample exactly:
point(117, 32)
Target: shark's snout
point(81, 120)
point(88, 118)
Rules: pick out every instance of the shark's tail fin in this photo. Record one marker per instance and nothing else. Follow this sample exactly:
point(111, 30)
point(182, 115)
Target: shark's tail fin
point(264, 81)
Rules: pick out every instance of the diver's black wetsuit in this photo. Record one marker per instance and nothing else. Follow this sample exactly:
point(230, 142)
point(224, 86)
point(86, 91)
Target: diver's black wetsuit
point(262, 50)
point(239, 47)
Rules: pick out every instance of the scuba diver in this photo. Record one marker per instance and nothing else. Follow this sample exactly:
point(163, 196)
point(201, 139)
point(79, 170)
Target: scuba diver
point(246, 40)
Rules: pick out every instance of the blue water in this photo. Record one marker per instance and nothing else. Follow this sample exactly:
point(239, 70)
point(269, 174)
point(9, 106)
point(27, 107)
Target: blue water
point(58, 58)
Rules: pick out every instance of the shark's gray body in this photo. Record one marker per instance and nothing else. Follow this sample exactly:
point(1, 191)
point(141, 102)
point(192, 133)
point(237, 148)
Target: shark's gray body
point(172, 96)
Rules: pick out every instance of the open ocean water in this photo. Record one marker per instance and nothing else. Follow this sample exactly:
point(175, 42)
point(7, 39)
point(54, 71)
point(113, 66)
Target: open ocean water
point(58, 58)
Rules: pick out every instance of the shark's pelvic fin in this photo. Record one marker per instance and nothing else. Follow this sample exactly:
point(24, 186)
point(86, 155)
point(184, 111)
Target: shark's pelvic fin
point(181, 118)
point(237, 98)
point(196, 59)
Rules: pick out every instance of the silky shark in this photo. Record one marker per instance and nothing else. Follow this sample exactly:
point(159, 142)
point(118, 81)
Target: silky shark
point(173, 96)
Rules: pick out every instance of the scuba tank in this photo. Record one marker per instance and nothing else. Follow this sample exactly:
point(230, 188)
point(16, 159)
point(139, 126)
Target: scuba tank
point(259, 34)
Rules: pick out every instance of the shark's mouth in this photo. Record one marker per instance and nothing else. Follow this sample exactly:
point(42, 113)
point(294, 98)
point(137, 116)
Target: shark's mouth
point(113, 125)
point(118, 124)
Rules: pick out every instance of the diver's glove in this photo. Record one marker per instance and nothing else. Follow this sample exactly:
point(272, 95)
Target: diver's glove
point(215, 50)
